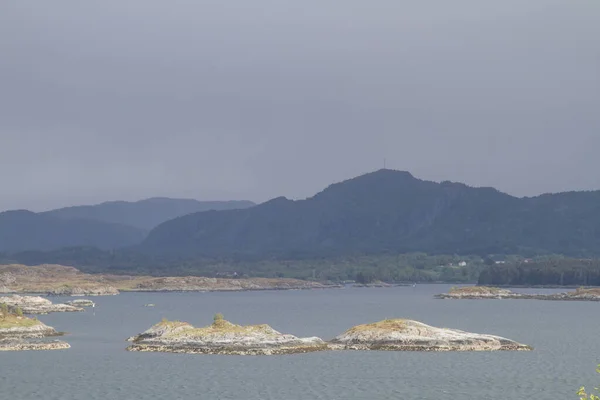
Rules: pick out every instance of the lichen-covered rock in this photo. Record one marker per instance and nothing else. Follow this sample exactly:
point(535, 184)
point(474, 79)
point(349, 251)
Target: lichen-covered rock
point(96, 290)
point(162, 329)
point(36, 305)
point(222, 337)
point(484, 292)
point(27, 330)
point(22, 333)
point(408, 335)
point(22, 345)
point(477, 292)
point(201, 284)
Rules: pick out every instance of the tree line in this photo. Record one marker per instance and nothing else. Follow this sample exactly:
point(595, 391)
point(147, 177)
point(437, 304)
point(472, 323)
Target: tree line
point(548, 272)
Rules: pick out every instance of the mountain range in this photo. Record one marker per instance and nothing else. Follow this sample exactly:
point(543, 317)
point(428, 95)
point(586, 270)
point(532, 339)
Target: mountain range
point(383, 212)
point(108, 225)
point(389, 211)
point(144, 214)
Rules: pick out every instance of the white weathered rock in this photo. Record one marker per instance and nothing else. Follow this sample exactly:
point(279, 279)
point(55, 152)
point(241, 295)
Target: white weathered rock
point(483, 292)
point(16, 334)
point(21, 345)
point(222, 337)
point(39, 330)
point(36, 305)
point(97, 290)
point(81, 303)
point(408, 335)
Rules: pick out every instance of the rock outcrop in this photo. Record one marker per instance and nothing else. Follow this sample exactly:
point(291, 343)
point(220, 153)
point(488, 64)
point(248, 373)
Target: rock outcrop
point(68, 281)
point(22, 345)
point(202, 284)
point(408, 335)
point(36, 305)
point(94, 290)
point(484, 292)
point(222, 337)
point(24, 328)
point(22, 333)
point(477, 292)
point(376, 284)
point(81, 303)
point(53, 280)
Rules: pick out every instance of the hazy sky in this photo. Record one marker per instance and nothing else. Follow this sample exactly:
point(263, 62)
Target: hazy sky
point(238, 99)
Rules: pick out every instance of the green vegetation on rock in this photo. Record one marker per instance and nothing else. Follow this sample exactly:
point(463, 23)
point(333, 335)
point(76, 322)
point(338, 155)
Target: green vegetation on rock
point(14, 318)
point(585, 395)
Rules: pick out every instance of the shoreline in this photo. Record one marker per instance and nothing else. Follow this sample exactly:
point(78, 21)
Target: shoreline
point(49, 293)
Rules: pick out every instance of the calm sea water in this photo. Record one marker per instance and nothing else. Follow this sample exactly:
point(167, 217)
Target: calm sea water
point(564, 334)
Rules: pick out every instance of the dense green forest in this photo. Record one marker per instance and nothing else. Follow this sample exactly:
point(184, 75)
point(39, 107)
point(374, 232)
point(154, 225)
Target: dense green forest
point(557, 271)
point(494, 270)
point(414, 267)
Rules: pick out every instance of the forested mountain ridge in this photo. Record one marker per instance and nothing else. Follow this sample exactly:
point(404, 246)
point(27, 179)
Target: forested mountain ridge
point(107, 226)
point(25, 230)
point(383, 212)
point(144, 214)
point(389, 211)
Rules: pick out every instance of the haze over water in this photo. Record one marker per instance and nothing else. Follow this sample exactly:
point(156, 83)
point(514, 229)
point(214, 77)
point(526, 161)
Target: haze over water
point(564, 335)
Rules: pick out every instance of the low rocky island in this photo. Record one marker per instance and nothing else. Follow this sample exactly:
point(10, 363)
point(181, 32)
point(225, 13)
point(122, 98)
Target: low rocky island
point(477, 292)
point(484, 292)
point(36, 305)
point(55, 280)
point(408, 335)
point(18, 332)
point(81, 303)
point(374, 284)
point(68, 281)
point(222, 337)
point(205, 284)
point(83, 290)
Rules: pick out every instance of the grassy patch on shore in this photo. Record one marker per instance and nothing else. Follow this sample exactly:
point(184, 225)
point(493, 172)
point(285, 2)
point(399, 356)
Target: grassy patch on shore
point(387, 324)
point(583, 290)
point(475, 290)
point(13, 321)
point(219, 327)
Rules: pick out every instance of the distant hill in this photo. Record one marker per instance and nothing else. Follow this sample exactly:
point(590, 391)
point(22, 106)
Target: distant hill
point(25, 230)
point(144, 214)
point(388, 212)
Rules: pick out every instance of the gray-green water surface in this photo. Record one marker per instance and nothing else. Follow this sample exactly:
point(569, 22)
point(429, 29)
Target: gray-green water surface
point(564, 334)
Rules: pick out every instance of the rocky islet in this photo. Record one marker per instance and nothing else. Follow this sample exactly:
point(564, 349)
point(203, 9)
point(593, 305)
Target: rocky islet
point(409, 335)
point(18, 333)
point(36, 305)
point(61, 280)
point(223, 337)
point(81, 303)
point(485, 292)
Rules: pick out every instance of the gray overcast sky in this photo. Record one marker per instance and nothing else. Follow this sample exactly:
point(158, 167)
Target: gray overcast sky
point(238, 99)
